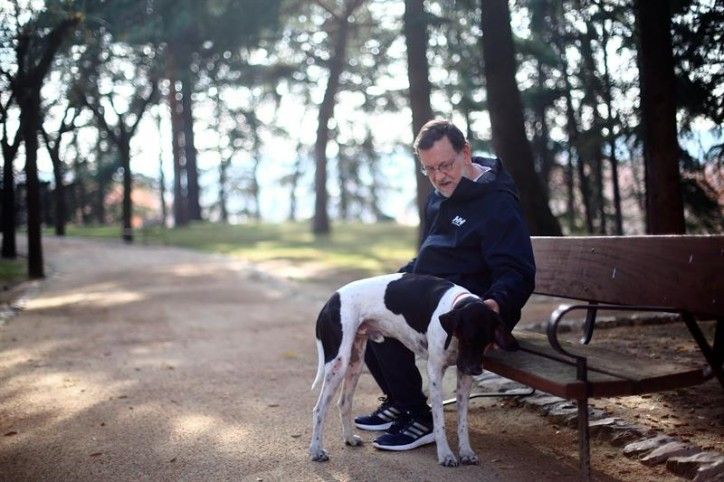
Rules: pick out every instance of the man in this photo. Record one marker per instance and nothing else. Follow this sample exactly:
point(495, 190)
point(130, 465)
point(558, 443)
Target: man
point(475, 236)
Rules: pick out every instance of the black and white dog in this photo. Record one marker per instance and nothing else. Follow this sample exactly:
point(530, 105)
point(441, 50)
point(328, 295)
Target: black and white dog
point(433, 317)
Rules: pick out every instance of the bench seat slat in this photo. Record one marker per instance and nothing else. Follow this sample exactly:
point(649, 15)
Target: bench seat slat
point(610, 373)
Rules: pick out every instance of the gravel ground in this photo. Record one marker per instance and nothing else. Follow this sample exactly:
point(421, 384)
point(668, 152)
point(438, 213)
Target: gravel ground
point(151, 363)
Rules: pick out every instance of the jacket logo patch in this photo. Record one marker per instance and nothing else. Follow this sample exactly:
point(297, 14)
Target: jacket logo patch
point(458, 221)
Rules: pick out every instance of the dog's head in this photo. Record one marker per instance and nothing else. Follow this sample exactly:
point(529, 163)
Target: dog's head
point(476, 327)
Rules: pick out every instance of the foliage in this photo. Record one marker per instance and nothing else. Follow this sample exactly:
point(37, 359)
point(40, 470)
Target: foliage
point(249, 61)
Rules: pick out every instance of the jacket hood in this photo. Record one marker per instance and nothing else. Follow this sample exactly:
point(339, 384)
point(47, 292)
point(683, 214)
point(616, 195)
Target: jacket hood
point(496, 178)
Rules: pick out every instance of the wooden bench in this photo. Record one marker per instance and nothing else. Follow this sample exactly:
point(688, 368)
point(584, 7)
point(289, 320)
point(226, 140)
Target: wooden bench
point(673, 274)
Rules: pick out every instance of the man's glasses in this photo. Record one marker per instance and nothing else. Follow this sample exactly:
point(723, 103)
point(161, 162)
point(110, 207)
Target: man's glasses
point(443, 168)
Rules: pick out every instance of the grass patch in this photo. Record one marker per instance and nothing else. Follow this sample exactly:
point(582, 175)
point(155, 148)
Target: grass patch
point(13, 271)
point(352, 249)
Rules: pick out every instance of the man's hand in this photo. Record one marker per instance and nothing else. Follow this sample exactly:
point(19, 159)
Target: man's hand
point(492, 304)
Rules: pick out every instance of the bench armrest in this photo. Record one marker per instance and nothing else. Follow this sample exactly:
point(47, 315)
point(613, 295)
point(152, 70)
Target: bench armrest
point(562, 310)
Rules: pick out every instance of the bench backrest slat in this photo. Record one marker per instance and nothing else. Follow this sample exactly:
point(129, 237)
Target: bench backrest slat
point(682, 272)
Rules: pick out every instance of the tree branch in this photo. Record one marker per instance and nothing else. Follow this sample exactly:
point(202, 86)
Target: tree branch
point(54, 41)
point(143, 105)
point(328, 9)
point(98, 114)
point(66, 127)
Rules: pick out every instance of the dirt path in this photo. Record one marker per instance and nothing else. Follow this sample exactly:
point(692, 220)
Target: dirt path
point(144, 363)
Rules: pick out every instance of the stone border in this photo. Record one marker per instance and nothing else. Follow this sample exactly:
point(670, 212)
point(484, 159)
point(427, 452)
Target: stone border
point(16, 299)
point(646, 444)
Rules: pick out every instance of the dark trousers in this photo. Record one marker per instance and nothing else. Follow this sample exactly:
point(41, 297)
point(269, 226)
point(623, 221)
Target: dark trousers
point(393, 367)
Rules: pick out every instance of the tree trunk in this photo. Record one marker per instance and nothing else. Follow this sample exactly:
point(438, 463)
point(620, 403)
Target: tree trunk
point(79, 193)
point(610, 123)
point(192, 172)
point(9, 248)
point(124, 147)
point(570, 190)
point(506, 116)
point(26, 86)
point(30, 120)
point(540, 33)
point(416, 40)
point(224, 163)
point(344, 195)
point(575, 162)
point(161, 174)
point(294, 182)
point(545, 159)
point(664, 205)
point(574, 140)
point(179, 196)
point(594, 136)
point(59, 193)
point(223, 180)
point(320, 221)
point(256, 158)
point(100, 203)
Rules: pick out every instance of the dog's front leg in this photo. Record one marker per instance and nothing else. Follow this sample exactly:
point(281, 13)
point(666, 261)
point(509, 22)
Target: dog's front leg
point(435, 371)
point(467, 456)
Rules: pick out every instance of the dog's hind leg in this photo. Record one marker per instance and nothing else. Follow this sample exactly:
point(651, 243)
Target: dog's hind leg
point(467, 456)
point(334, 373)
point(354, 370)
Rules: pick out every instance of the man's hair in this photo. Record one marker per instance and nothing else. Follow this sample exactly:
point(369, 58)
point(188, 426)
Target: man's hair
point(434, 130)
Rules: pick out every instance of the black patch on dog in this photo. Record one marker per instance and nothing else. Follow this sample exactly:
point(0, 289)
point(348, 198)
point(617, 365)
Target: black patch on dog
point(466, 301)
point(329, 328)
point(415, 297)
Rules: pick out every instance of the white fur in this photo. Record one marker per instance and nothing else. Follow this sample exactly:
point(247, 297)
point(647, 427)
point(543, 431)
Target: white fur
point(364, 315)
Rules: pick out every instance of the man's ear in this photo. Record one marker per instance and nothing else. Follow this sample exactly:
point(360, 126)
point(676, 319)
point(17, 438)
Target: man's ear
point(449, 322)
point(504, 339)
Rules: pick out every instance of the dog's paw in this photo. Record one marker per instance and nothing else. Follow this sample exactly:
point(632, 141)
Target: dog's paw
point(448, 461)
point(355, 441)
point(469, 459)
point(318, 455)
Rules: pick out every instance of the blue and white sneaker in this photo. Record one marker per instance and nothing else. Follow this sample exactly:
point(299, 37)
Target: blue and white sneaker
point(409, 432)
point(381, 419)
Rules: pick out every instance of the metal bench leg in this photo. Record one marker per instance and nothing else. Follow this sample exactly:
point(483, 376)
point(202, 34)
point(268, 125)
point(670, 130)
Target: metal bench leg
point(584, 441)
point(710, 354)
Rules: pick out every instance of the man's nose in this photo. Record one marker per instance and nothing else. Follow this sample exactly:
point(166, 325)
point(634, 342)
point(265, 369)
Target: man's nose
point(437, 175)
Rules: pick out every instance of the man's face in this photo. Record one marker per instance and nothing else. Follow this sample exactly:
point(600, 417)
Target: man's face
point(445, 167)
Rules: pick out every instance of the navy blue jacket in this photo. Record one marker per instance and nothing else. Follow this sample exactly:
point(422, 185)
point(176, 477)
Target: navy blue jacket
point(478, 238)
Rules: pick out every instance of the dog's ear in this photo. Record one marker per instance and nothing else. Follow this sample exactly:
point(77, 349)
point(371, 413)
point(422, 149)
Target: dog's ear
point(504, 339)
point(449, 322)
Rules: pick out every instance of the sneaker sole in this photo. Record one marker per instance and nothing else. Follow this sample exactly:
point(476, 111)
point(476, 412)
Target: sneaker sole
point(373, 428)
point(424, 440)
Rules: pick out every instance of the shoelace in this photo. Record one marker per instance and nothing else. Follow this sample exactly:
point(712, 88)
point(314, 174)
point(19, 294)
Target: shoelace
point(405, 420)
point(385, 405)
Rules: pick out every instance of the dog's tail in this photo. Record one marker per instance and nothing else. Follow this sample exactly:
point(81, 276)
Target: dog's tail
point(320, 364)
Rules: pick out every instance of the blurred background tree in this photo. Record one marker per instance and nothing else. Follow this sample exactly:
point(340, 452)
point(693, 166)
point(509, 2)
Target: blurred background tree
point(272, 110)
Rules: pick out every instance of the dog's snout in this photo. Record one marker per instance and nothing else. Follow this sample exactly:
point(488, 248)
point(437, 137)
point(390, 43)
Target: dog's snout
point(471, 370)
